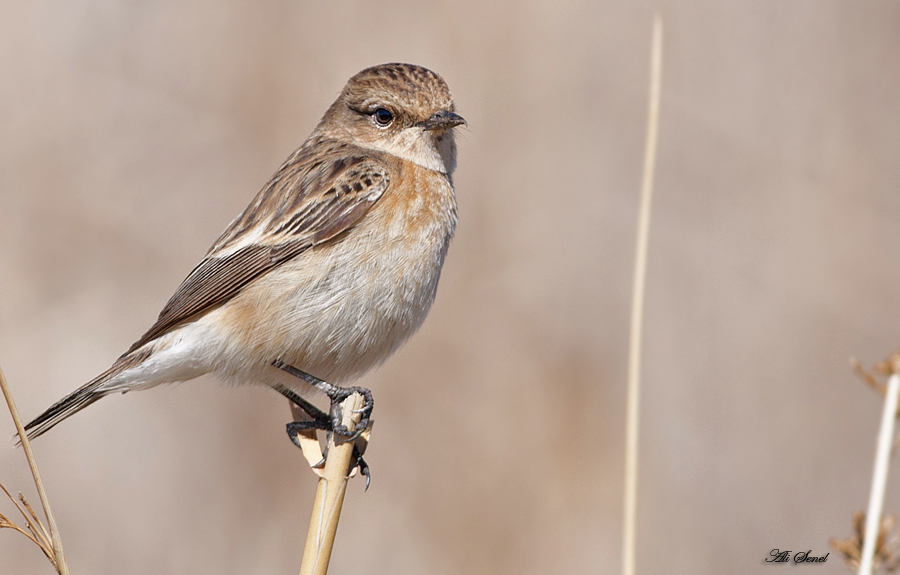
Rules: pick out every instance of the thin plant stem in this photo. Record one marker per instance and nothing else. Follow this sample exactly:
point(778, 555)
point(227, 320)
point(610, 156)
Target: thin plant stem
point(330, 494)
point(59, 557)
point(637, 306)
point(879, 476)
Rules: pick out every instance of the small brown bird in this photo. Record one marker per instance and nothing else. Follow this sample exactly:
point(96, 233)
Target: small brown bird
point(330, 268)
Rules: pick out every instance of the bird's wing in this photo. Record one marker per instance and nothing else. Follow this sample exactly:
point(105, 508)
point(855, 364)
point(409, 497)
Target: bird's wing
point(322, 190)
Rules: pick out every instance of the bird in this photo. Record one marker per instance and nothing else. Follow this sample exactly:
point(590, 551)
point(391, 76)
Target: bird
point(331, 267)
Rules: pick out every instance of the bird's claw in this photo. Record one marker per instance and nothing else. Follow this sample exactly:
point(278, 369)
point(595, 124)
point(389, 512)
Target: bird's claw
point(337, 397)
point(363, 466)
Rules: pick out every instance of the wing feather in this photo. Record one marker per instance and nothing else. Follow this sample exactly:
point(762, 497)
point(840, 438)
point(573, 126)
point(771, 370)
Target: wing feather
point(322, 190)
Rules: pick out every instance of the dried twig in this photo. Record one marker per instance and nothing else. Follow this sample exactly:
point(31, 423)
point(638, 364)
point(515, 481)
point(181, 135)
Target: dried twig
point(886, 545)
point(36, 531)
point(53, 551)
point(881, 370)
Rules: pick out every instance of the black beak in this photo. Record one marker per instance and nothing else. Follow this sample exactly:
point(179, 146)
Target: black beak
point(442, 120)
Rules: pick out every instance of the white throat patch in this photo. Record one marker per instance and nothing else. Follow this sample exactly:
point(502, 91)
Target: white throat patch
point(431, 150)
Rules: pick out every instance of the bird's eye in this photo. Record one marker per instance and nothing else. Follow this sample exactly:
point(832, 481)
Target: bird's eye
point(383, 117)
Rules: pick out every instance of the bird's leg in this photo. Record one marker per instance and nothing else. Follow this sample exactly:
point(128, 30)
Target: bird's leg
point(337, 395)
point(319, 418)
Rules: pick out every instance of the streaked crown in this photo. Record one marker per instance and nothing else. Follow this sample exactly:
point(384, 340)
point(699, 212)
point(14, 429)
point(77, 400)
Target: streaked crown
point(411, 88)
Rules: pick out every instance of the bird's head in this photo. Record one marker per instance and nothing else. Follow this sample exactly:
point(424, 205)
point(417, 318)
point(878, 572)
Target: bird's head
point(401, 109)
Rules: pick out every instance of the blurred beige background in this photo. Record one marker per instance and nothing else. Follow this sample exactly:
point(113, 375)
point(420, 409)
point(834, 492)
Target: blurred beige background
point(132, 132)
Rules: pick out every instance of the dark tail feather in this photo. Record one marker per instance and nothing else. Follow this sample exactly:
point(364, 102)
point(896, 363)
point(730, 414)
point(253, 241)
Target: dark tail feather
point(69, 405)
point(81, 397)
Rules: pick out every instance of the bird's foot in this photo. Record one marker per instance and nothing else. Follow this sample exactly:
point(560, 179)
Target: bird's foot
point(336, 394)
point(333, 423)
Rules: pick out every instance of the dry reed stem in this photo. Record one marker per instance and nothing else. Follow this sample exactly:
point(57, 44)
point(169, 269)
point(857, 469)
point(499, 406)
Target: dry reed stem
point(879, 476)
point(637, 305)
point(330, 494)
point(59, 558)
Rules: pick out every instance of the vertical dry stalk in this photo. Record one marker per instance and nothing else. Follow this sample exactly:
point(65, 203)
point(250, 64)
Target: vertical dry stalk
point(330, 495)
point(637, 305)
point(59, 557)
point(879, 476)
